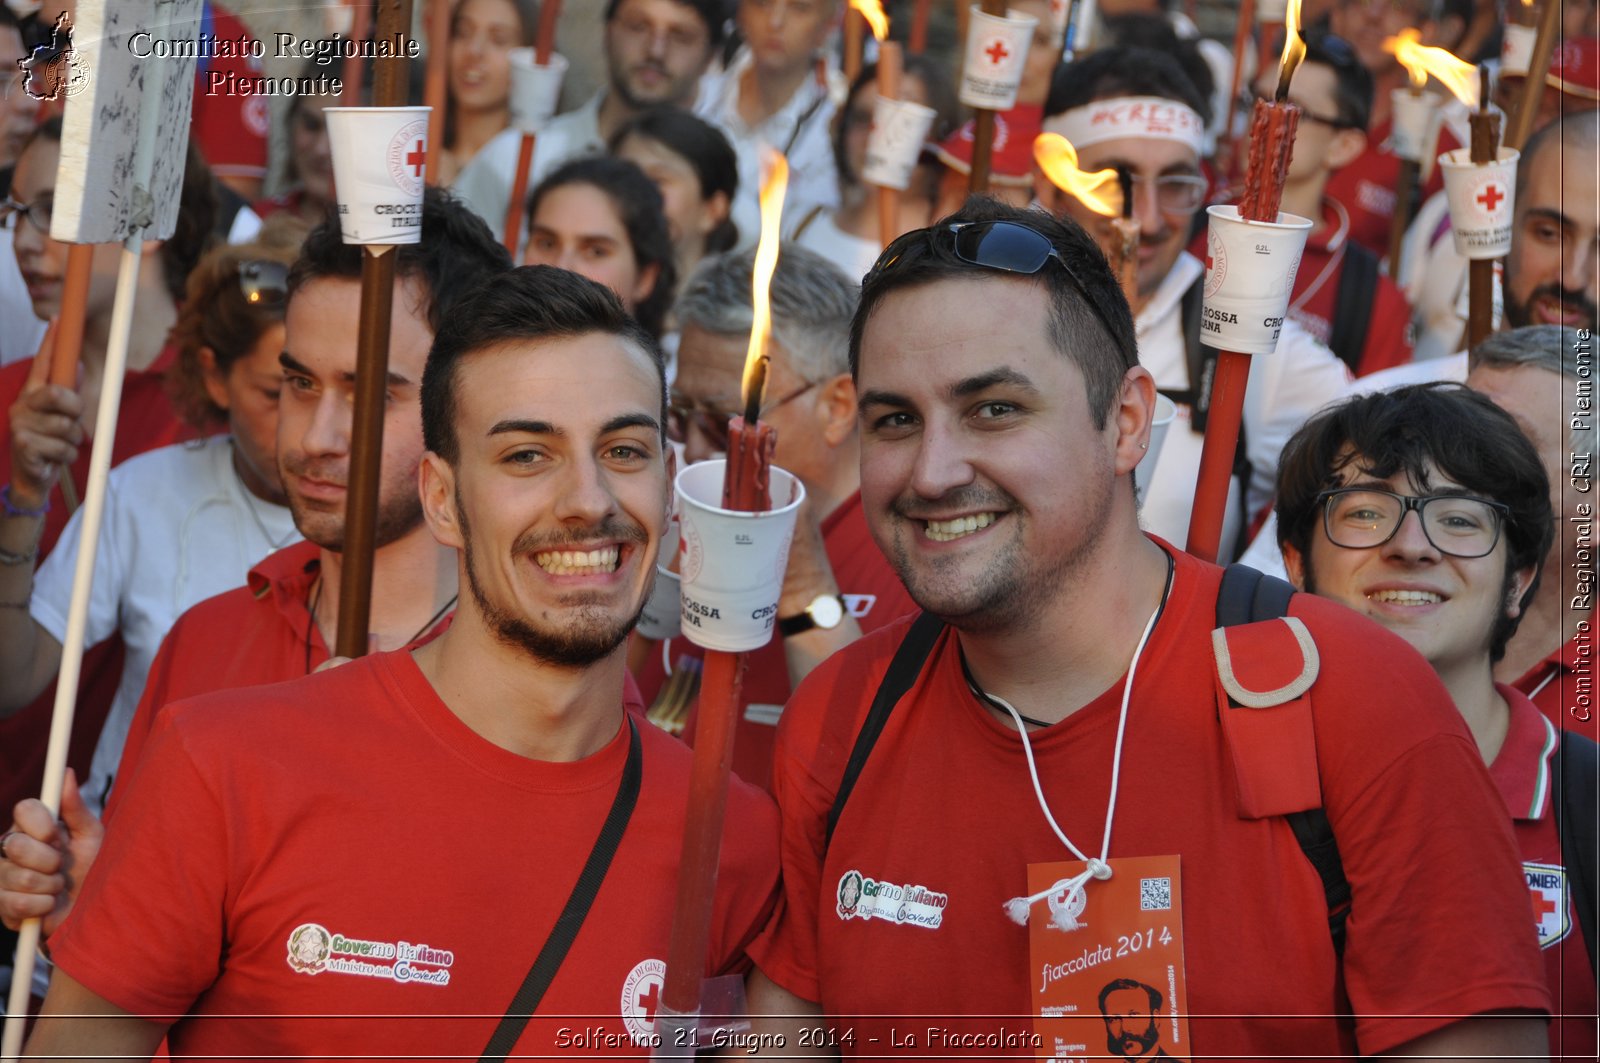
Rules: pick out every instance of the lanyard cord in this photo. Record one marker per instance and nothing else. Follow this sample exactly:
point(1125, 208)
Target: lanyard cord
point(1066, 896)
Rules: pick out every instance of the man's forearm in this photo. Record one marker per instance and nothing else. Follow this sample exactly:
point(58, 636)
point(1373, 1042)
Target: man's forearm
point(78, 1024)
point(1520, 1037)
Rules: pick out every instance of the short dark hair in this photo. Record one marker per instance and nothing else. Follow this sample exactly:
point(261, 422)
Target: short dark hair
point(1090, 322)
point(714, 13)
point(1352, 93)
point(643, 214)
point(704, 147)
point(525, 303)
point(1469, 438)
point(1129, 983)
point(1149, 29)
point(1111, 72)
point(457, 254)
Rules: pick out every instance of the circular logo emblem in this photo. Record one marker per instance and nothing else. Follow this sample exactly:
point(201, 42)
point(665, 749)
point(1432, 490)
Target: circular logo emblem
point(256, 115)
point(849, 894)
point(1216, 264)
point(691, 553)
point(1067, 905)
point(309, 945)
point(407, 154)
point(641, 997)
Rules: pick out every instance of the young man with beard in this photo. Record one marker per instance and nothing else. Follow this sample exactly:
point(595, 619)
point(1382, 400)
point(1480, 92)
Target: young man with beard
point(1073, 694)
point(280, 624)
point(1426, 509)
point(655, 51)
point(304, 800)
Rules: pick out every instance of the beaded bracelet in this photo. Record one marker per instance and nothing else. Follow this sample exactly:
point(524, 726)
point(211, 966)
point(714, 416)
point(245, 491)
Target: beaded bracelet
point(13, 510)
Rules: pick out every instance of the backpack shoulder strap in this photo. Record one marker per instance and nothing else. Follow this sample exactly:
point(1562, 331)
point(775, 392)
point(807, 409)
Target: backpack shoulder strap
point(1248, 597)
point(1352, 305)
point(903, 670)
point(1578, 776)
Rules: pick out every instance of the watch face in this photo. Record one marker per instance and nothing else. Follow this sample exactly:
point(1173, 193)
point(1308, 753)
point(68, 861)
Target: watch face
point(826, 611)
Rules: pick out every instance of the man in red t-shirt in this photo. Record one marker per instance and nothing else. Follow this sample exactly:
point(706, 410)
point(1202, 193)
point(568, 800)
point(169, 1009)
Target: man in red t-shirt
point(1003, 413)
point(271, 637)
point(1535, 374)
point(1340, 294)
point(837, 584)
point(1368, 186)
point(274, 898)
point(1453, 582)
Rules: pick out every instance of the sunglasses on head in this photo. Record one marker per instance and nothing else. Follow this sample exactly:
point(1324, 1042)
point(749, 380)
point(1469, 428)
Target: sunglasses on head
point(264, 282)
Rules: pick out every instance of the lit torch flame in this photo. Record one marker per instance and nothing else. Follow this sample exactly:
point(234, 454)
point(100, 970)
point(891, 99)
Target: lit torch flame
point(1294, 49)
point(1058, 159)
point(1420, 60)
point(772, 193)
point(872, 11)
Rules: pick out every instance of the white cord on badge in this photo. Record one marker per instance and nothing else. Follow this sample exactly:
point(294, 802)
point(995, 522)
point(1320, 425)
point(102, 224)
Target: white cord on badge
point(1064, 913)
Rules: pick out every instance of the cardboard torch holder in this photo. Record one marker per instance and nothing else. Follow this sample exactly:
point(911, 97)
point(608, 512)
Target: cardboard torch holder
point(1480, 199)
point(535, 89)
point(1250, 271)
point(997, 49)
point(379, 157)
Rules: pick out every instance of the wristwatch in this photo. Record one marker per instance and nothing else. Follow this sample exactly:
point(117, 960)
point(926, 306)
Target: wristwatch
point(825, 611)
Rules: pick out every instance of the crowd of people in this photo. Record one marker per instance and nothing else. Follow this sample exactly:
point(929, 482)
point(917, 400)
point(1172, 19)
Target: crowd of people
point(1004, 720)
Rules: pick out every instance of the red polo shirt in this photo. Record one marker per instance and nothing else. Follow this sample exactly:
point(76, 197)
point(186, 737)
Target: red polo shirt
point(1315, 298)
point(1522, 773)
point(230, 123)
point(1553, 686)
point(1367, 187)
point(874, 596)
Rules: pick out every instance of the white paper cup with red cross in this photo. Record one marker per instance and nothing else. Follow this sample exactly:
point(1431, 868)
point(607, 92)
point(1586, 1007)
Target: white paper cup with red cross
point(1250, 268)
point(1516, 50)
point(997, 48)
point(659, 618)
point(1166, 412)
point(378, 171)
point(731, 564)
point(1480, 201)
point(899, 132)
point(535, 89)
point(1416, 117)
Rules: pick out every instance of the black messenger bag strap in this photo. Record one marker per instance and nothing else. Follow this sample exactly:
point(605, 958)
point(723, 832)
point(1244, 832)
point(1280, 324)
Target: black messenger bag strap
point(901, 674)
point(548, 962)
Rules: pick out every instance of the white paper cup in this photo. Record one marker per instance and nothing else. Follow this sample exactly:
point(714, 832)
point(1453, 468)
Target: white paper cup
point(1480, 202)
point(1516, 50)
point(1415, 115)
point(899, 131)
point(731, 564)
point(535, 89)
point(1166, 412)
point(378, 171)
point(1250, 272)
point(997, 48)
point(659, 620)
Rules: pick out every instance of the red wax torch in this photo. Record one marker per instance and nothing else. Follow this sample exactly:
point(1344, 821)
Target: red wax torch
point(544, 44)
point(1272, 128)
point(744, 488)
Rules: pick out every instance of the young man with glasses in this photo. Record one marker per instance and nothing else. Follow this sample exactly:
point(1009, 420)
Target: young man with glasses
point(1427, 510)
point(1340, 294)
point(1068, 687)
point(836, 585)
point(1135, 109)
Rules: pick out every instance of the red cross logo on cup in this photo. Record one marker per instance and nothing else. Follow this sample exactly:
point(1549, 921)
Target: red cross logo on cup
point(1490, 197)
point(997, 51)
point(416, 159)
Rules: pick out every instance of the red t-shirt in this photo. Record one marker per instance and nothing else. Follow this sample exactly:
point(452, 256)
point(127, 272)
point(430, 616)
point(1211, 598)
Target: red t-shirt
point(874, 596)
point(146, 421)
point(945, 802)
point(1367, 187)
point(1387, 340)
point(230, 126)
point(271, 639)
point(1523, 774)
point(1553, 686)
point(356, 801)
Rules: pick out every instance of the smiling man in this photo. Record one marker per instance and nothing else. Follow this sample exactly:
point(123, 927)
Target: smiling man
point(505, 741)
point(1426, 509)
point(1064, 693)
point(1552, 275)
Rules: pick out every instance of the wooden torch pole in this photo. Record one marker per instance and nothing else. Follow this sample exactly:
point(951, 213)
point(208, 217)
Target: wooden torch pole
point(983, 127)
point(1527, 108)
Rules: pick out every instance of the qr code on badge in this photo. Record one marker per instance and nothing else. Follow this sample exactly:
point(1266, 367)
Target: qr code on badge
point(1155, 894)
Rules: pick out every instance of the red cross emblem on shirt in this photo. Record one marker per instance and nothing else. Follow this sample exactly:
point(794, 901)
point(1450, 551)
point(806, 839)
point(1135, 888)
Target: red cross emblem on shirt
point(1490, 197)
point(997, 52)
point(416, 159)
point(1542, 906)
point(648, 1001)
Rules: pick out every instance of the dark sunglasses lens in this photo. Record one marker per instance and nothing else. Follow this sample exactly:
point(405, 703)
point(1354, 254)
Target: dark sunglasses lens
point(1003, 245)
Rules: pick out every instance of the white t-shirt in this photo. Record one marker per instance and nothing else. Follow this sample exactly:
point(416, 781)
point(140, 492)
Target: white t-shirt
point(1285, 388)
point(179, 528)
point(853, 255)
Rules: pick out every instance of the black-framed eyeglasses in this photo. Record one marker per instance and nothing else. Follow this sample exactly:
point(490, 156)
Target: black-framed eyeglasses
point(264, 282)
point(711, 420)
point(38, 212)
point(1359, 518)
point(1308, 114)
point(1007, 246)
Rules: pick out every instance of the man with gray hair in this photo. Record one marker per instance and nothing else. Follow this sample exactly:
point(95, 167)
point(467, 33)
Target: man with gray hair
point(838, 585)
point(1532, 373)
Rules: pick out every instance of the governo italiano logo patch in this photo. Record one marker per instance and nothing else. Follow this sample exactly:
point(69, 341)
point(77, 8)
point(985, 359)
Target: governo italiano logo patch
point(313, 949)
point(861, 896)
